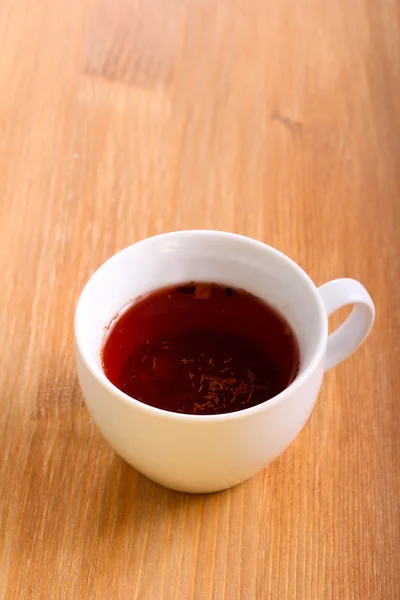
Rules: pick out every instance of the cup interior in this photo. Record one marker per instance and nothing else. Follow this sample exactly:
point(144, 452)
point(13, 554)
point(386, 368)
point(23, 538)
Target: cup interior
point(207, 256)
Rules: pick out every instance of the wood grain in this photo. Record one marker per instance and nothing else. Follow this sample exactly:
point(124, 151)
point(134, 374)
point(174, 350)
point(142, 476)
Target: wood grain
point(123, 119)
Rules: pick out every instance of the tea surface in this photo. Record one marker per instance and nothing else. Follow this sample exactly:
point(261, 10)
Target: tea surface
point(200, 348)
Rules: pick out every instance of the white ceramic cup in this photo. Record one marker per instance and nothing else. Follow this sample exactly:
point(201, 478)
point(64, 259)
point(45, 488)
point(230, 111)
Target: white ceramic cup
point(196, 453)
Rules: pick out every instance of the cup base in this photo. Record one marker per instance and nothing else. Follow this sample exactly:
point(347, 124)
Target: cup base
point(189, 489)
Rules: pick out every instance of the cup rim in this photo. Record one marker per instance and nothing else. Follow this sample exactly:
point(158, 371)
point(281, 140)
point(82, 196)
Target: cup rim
point(296, 384)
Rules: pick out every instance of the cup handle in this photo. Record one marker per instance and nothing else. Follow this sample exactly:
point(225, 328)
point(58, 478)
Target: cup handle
point(351, 334)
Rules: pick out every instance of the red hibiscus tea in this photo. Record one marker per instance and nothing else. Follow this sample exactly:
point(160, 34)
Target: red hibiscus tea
point(200, 348)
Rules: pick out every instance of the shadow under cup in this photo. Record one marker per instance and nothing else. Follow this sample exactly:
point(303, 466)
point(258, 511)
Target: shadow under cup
point(187, 451)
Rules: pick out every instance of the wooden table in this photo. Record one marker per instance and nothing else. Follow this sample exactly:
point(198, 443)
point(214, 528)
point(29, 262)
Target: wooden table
point(122, 119)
